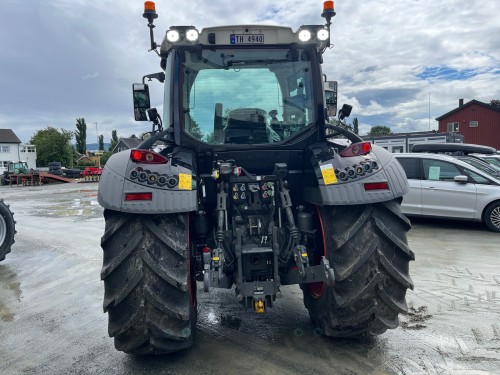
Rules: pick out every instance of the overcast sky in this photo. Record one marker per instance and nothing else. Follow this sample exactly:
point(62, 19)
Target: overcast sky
point(64, 59)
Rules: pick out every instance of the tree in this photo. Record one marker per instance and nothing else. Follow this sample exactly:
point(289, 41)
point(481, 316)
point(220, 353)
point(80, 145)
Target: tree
point(101, 142)
point(114, 140)
point(355, 125)
point(380, 130)
point(104, 158)
point(81, 135)
point(495, 103)
point(195, 130)
point(210, 138)
point(53, 145)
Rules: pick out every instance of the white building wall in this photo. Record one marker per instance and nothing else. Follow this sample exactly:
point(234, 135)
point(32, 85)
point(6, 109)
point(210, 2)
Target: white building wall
point(27, 153)
point(13, 152)
point(8, 152)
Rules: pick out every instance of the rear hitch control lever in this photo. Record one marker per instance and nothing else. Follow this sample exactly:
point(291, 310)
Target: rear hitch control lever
point(301, 259)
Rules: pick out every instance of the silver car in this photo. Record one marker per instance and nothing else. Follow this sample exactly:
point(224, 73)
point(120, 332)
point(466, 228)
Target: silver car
point(444, 186)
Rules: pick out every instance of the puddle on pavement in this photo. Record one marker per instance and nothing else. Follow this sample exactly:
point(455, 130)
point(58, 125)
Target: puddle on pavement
point(10, 292)
point(77, 207)
point(230, 322)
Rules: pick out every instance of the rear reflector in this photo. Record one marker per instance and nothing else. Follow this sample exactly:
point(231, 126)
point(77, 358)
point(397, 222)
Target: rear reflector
point(138, 196)
point(357, 149)
point(376, 186)
point(147, 157)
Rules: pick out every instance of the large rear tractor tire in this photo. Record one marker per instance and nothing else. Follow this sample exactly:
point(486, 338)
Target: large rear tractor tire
point(149, 289)
point(7, 229)
point(367, 247)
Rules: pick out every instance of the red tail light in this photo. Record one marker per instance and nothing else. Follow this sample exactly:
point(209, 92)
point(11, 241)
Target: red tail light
point(138, 196)
point(357, 149)
point(147, 157)
point(370, 186)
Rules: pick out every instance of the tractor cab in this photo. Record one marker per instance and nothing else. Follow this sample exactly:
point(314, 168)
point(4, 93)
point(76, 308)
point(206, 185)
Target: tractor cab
point(18, 167)
point(238, 86)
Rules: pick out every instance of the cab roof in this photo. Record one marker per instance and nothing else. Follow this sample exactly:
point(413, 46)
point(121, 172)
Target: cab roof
point(244, 35)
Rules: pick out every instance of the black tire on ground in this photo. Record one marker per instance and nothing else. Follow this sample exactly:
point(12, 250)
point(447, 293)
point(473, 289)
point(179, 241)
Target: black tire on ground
point(54, 165)
point(368, 250)
point(57, 172)
point(492, 216)
point(7, 229)
point(70, 173)
point(149, 289)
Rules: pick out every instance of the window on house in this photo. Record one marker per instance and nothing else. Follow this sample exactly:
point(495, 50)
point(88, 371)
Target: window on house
point(5, 148)
point(473, 124)
point(452, 127)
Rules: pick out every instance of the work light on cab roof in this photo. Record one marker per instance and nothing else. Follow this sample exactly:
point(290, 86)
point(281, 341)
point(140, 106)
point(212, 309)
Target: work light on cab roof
point(243, 34)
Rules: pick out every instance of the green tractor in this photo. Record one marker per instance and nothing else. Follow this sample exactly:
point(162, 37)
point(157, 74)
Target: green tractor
point(20, 167)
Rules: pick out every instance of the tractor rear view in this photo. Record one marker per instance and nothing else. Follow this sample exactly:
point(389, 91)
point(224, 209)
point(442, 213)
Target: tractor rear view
point(243, 183)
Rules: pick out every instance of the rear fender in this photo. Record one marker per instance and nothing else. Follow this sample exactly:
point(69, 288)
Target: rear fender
point(122, 176)
point(331, 189)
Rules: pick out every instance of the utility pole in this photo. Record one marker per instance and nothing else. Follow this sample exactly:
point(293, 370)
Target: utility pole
point(97, 153)
point(429, 111)
point(97, 135)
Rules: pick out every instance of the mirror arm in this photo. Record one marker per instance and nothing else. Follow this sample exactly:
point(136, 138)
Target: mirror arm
point(155, 118)
point(148, 143)
point(160, 76)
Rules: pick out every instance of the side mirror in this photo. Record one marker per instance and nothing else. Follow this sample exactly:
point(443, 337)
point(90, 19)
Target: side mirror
point(141, 101)
point(345, 111)
point(461, 179)
point(330, 88)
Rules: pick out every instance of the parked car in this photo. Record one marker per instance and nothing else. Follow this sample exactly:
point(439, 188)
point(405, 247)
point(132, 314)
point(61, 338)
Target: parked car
point(445, 186)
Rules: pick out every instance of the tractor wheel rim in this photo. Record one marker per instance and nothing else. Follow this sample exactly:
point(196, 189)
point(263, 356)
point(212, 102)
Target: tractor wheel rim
point(3, 230)
point(317, 289)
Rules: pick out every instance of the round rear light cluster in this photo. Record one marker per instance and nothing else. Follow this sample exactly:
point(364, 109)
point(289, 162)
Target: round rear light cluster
point(154, 178)
point(356, 170)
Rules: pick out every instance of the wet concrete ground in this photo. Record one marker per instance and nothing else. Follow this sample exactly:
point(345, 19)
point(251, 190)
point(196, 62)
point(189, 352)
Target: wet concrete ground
point(51, 319)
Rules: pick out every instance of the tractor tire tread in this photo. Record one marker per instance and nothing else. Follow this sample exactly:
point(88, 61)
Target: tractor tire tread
point(147, 282)
point(369, 253)
point(9, 229)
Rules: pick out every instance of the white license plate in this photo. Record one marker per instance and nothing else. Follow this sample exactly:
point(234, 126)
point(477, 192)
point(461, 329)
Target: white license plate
point(247, 39)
